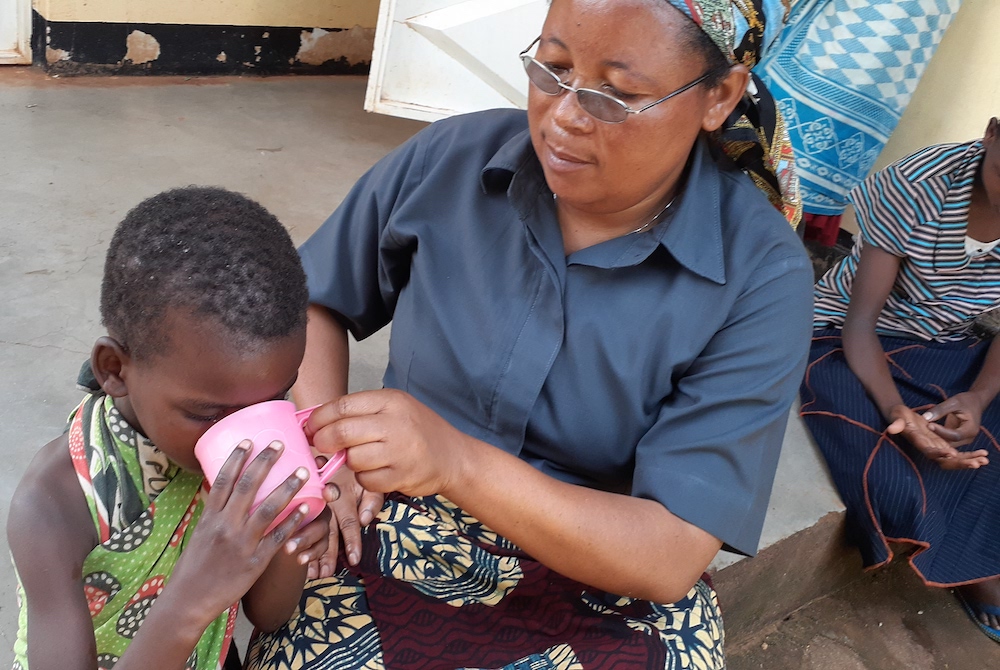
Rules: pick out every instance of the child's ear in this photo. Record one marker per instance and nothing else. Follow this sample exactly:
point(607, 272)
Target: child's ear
point(107, 360)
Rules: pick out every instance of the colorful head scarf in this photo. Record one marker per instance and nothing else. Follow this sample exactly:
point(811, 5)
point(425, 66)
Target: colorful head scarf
point(755, 135)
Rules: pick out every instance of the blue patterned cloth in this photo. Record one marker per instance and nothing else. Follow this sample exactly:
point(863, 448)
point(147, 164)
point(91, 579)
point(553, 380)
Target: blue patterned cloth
point(842, 73)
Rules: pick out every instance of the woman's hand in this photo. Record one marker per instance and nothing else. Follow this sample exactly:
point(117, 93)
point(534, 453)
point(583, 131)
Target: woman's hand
point(229, 550)
point(915, 428)
point(962, 414)
point(394, 442)
point(352, 509)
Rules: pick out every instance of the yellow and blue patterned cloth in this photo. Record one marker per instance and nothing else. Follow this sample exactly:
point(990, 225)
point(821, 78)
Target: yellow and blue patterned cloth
point(436, 589)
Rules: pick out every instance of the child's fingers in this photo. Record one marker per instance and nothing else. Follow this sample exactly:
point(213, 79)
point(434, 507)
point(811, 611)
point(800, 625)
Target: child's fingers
point(224, 482)
point(278, 537)
point(311, 541)
point(245, 489)
point(277, 500)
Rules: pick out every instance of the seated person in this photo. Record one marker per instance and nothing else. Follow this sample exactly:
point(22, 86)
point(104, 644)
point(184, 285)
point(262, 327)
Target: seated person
point(893, 356)
point(599, 323)
point(124, 557)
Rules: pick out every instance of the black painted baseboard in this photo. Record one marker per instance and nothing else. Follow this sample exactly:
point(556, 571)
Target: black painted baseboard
point(63, 47)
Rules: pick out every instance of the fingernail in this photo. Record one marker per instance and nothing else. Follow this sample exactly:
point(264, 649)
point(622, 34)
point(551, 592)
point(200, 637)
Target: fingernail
point(366, 517)
point(302, 474)
point(303, 508)
point(354, 557)
point(291, 545)
point(245, 445)
point(927, 416)
point(303, 559)
point(277, 445)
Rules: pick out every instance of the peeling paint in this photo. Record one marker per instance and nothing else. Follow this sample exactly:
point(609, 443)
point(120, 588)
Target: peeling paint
point(221, 57)
point(142, 47)
point(55, 55)
point(318, 46)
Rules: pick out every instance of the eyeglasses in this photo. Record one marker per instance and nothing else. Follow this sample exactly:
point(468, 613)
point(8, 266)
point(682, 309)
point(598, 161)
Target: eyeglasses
point(598, 104)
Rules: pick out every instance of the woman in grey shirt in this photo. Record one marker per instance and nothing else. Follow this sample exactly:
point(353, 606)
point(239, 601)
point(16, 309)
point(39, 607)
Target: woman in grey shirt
point(599, 324)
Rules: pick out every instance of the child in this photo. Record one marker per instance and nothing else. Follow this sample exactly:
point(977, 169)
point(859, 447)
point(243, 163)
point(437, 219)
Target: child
point(124, 557)
point(893, 356)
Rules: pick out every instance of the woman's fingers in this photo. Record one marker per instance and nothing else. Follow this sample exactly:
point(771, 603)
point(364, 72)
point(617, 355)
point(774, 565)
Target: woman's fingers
point(349, 432)
point(352, 405)
point(370, 505)
point(942, 410)
point(964, 460)
point(896, 427)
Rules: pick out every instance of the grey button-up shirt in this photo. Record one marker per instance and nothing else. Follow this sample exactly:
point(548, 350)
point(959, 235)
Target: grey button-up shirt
point(660, 364)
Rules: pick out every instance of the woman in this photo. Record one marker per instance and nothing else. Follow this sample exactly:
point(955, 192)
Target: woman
point(598, 329)
point(893, 356)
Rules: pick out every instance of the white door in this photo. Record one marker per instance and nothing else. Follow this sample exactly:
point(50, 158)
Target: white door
point(435, 58)
point(15, 31)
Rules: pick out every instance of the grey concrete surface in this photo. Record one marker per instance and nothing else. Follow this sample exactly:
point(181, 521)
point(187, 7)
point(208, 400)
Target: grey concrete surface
point(76, 154)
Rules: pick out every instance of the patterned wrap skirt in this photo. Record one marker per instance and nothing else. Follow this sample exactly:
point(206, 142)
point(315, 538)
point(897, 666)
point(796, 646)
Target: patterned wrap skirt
point(892, 492)
point(436, 589)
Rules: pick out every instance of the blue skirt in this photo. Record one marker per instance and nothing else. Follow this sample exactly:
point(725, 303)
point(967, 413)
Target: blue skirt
point(892, 492)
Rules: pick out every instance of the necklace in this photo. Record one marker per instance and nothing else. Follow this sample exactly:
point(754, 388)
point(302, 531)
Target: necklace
point(656, 218)
point(646, 225)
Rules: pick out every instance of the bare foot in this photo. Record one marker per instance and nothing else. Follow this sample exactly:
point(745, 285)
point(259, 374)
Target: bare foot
point(986, 593)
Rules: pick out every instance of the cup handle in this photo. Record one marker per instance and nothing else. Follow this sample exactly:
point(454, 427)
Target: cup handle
point(333, 463)
point(303, 415)
point(331, 466)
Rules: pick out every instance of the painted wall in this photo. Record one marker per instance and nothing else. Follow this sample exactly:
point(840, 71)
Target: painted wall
point(959, 92)
point(271, 13)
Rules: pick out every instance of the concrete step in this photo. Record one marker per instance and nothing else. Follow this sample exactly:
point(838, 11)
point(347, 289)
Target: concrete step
point(884, 620)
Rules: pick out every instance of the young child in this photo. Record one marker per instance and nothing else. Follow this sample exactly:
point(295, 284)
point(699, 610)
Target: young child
point(124, 557)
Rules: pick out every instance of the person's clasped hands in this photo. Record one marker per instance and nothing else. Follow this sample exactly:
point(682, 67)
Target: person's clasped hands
point(940, 442)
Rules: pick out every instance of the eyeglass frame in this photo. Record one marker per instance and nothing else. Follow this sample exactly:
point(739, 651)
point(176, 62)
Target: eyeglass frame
point(563, 86)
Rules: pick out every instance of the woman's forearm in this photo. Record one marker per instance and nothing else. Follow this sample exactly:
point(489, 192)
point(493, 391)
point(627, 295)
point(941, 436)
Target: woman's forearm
point(616, 543)
point(987, 383)
point(323, 372)
point(867, 361)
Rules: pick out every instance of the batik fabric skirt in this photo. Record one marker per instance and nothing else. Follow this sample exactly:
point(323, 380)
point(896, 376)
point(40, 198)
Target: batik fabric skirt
point(436, 589)
point(893, 493)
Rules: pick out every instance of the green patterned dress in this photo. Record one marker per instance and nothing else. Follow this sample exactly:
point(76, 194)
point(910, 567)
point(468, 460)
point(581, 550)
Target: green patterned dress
point(144, 508)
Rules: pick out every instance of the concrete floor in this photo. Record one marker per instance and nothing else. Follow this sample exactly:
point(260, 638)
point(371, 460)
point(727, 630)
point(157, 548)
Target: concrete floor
point(76, 154)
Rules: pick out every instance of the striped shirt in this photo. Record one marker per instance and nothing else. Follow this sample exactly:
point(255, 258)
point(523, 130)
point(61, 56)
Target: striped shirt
point(918, 209)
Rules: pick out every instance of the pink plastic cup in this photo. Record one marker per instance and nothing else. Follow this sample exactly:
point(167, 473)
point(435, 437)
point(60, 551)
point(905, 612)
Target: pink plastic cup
point(264, 423)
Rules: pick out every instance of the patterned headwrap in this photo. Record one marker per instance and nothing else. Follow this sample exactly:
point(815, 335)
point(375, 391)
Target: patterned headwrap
point(754, 136)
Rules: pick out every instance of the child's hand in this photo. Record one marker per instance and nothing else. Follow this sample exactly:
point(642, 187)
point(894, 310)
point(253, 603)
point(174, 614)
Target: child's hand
point(915, 428)
point(962, 414)
point(229, 550)
point(312, 540)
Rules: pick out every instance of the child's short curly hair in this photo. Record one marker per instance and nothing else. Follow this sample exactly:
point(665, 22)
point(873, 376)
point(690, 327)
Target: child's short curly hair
point(208, 250)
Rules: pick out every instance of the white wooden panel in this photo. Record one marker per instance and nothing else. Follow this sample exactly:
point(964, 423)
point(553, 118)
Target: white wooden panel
point(15, 32)
point(433, 59)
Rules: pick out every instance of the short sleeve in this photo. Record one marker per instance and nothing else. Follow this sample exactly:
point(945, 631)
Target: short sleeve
point(885, 209)
point(710, 457)
point(355, 264)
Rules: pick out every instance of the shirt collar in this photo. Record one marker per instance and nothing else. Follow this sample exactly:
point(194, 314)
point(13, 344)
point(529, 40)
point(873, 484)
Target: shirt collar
point(692, 233)
point(949, 249)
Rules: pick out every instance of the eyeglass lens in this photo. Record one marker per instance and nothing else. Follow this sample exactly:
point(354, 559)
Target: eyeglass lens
point(601, 107)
